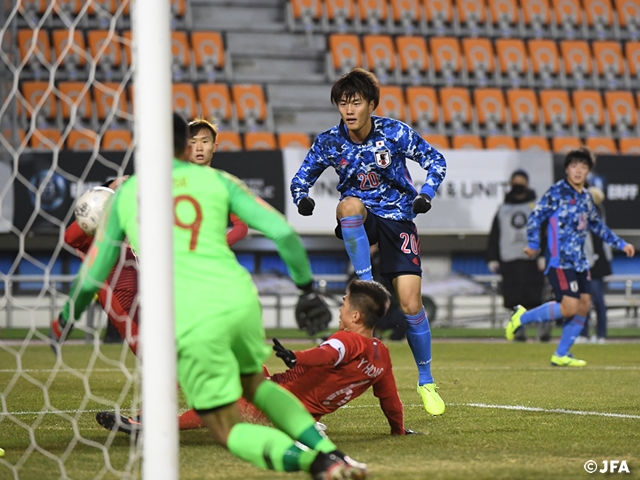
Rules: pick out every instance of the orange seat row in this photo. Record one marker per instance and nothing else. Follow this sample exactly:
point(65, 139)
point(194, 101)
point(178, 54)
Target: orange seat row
point(111, 6)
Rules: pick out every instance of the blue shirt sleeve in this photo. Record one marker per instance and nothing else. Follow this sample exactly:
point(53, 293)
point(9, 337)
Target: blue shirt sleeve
point(312, 167)
point(547, 205)
point(419, 150)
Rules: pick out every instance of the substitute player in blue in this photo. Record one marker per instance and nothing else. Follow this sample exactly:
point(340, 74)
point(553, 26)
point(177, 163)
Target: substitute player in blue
point(569, 209)
point(378, 202)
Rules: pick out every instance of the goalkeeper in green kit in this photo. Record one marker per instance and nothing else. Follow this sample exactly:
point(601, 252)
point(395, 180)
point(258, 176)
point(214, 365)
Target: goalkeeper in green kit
point(219, 334)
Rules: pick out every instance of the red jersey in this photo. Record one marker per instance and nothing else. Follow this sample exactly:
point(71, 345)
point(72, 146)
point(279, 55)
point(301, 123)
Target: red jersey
point(341, 369)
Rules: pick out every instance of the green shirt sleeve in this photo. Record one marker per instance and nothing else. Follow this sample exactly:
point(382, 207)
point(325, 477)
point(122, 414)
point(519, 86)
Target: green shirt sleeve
point(261, 216)
point(97, 264)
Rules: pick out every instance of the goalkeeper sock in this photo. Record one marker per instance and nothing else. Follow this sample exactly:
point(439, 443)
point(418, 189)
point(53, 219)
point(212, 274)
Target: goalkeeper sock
point(268, 448)
point(289, 415)
point(189, 420)
point(570, 332)
point(357, 245)
point(419, 338)
point(544, 313)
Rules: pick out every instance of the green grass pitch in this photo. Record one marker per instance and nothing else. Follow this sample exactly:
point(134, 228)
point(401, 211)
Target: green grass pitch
point(480, 436)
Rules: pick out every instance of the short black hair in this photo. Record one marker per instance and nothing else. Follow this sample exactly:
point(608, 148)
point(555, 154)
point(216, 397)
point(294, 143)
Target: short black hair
point(198, 124)
point(582, 155)
point(357, 81)
point(180, 135)
point(369, 298)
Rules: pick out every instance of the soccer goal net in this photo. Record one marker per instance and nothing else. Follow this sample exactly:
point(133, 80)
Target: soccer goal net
point(66, 126)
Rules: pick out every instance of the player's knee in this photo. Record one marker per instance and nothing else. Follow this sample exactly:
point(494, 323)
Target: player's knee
point(569, 307)
point(350, 206)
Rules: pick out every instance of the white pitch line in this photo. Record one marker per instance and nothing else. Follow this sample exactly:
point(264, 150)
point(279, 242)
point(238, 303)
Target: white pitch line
point(524, 368)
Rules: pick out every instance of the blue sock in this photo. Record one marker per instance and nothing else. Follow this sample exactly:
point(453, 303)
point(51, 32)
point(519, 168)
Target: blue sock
point(544, 313)
point(357, 245)
point(570, 332)
point(419, 338)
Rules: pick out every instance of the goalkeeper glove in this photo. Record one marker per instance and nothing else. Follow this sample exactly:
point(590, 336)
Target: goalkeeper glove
point(306, 206)
point(421, 204)
point(312, 312)
point(287, 356)
point(58, 332)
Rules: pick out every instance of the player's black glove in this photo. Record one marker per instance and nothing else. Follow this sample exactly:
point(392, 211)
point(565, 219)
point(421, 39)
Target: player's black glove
point(421, 204)
point(306, 206)
point(287, 356)
point(312, 312)
point(58, 332)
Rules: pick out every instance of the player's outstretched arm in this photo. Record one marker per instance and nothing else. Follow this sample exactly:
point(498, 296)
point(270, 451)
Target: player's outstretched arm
point(387, 392)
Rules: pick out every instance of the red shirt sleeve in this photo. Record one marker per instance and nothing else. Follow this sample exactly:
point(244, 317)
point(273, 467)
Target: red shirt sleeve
point(387, 392)
point(76, 238)
point(313, 357)
point(238, 231)
point(339, 347)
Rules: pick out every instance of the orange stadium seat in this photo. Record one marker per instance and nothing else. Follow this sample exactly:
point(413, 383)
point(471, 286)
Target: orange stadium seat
point(546, 63)
point(341, 14)
point(491, 110)
point(47, 110)
point(109, 57)
point(117, 140)
point(307, 13)
point(46, 139)
point(467, 142)
point(437, 141)
point(374, 14)
point(127, 42)
point(293, 140)
point(107, 99)
point(524, 107)
point(81, 140)
point(577, 62)
point(32, 9)
point(179, 8)
point(602, 145)
point(229, 141)
point(346, 53)
point(74, 57)
point(629, 16)
point(557, 110)
point(208, 54)
point(568, 17)
point(500, 142)
point(537, 17)
point(76, 94)
point(215, 101)
point(381, 56)
point(439, 16)
point(423, 107)
point(447, 58)
point(106, 6)
point(181, 54)
point(610, 63)
point(392, 103)
point(564, 144)
point(504, 17)
point(590, 111)
point(456, 108)
point(259, 141)
point(632, 52)
point(533, 143)
point(407, 15)
point(38, 56)
point(479, 55)
point(183, 99)
point(599, 17)
point(630, 146)
point(414, 60)
point(622, 111)
point(250, 103)
point(513, 61)
point(8, 135)
point(472, 15)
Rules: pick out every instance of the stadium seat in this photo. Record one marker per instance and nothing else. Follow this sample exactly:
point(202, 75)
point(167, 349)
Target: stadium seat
point(423, 108)
point(629, 18)
point(537, 18)
point(47, 111)
point(82, 140)
point(546, 63)
point(602, 145)
point(251, 107)
point(577, 63)
point(505, 17)
point(439, 17)
point(38, 56)
point(381, 57)
point(569, 18)
point(632, 53)
point(630, 146)
point(447, 60)
point(524, 108)
point(374, 15)
point(407, 16)
point(533, 143)
point(127, 42)
point(514, 66)
point(78, 95)
point(31, 10)
point(611, 65)
point(109, 57)
point(564, 144)
point(101, 12)
point(46, 139)
point(457, 110)
point(439, 142)
point(392, 103)
point(481, 67)
point(215, 102)
point(209, 56)
point(105, 96)
point(74, 59)
point(557, 110)
point(590, 113)
point(600, 19)
point(346, 54)
point(414, 60)
point(491, 111)
point(341, 15)
point(622, 113)
point(117, 140)
point(229, 141)
point(304, 15)
point(259, 141)
point(181, 57)
point(500, 142)
point(183, 100)
point(293, 140)
point(466, 142)
point(10, 137)
point(472, 15)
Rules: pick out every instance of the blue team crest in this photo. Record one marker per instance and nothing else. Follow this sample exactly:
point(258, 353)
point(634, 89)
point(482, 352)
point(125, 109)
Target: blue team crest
point(383, 158)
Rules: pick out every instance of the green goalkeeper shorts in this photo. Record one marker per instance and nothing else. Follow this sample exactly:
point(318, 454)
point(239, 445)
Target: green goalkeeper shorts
point(212, 356)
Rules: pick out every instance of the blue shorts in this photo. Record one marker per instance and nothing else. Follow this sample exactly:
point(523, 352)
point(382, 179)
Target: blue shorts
point(566, 281)
point(398, 242)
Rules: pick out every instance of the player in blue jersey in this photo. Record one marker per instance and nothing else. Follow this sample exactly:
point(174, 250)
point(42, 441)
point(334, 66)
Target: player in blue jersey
point(569, 210)
point(378, 202)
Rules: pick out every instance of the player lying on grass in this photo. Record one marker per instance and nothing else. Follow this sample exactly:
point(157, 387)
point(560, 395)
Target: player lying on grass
point(218, 321)
point(569, 210)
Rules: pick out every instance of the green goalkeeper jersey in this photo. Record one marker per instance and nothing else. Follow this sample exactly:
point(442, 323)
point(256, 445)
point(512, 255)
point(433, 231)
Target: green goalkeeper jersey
point(208, 278)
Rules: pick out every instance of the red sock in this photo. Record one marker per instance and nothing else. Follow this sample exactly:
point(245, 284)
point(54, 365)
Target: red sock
point(190, 420)
point(249, 413)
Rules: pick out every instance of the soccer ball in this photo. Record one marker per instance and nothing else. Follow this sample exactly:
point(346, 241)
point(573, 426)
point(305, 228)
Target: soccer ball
point(90, 207)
